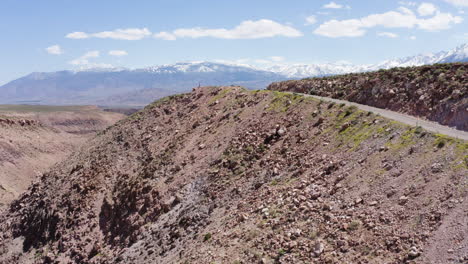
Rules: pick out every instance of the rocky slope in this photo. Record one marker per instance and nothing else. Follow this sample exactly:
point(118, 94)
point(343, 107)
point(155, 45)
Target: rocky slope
point(33, 138)
point(437, 92)
point(225, 175)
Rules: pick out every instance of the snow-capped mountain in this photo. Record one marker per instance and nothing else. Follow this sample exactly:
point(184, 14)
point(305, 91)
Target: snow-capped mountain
point(198, 67)
point(312, 70)
point(102, 86)
point(116, 85)
point(459, 54)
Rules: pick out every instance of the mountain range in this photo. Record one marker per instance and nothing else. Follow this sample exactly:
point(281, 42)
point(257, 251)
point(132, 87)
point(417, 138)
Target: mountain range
point(137, 87)
point(459, 54)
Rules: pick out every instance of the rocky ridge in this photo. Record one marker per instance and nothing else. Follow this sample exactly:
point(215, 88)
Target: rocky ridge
point(225, 175)
point(438, 92)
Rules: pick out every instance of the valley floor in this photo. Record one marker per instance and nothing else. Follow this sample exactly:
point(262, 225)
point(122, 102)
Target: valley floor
point(34, 138)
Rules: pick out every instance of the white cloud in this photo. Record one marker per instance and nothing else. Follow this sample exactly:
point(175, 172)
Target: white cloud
point(84, 63)
point(343, 28)
point(407, 3)
point(310, 20)
point(403, 18)
point(387, 34)
point(124, 34)
point(84, 59)
point(391, 19)
point(412, 37)
point(118, 53)
point(440, 21)
point(426, 9)
point(249, 29)
point(277, 58)
point(165, 35)
point(333, 5)
point(55, 50)
point(458, 2)
point(77, 35)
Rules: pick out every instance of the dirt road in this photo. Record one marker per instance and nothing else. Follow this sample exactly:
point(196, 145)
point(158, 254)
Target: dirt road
point(406, 119)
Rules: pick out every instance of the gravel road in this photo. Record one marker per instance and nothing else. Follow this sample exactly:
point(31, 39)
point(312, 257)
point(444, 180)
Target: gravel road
point(406, 119)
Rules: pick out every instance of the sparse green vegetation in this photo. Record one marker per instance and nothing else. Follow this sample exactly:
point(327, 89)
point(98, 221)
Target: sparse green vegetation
point(420, 131)
point(405, 140)
point(350, 110)
point(283, 101)
point(207, 237)
point(162, 101)
point(313, 235)
point(442, 140)
point(354, 225)
point(135, 116)
point(221, 94)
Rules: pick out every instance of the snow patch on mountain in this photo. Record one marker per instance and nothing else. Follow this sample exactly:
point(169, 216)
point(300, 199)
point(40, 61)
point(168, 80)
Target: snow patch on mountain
point(459, 54)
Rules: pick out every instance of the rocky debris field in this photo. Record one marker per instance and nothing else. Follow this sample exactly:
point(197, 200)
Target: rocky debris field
point(21, 122)
point(225, 175)
point(436, 92)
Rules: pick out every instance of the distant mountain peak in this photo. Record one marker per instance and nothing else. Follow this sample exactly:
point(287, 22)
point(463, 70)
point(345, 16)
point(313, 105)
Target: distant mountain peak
point(108, 85)
point(458, 54)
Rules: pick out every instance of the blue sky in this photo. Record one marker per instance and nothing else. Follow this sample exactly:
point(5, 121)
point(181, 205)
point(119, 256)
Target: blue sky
point(50, 35)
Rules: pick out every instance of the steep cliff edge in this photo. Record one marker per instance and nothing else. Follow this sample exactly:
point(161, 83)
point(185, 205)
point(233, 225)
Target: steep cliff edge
point(225, 175)
point(437, 92)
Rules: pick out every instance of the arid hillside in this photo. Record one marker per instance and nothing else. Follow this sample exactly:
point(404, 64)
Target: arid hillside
point(226, 175)
point(33, 138)
point(437, 92)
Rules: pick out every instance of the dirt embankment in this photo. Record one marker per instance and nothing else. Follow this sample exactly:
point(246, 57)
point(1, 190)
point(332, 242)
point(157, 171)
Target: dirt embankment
point(33, 138)
point(224, 175)
point(438, 92)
